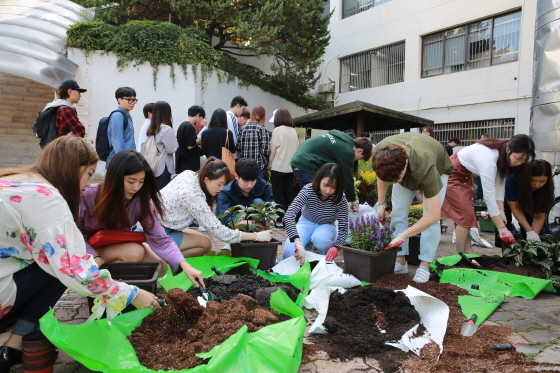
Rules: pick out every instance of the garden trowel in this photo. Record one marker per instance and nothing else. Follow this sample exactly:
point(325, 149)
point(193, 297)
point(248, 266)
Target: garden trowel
point(469, 327)
point(524, 349)
point(206, 295)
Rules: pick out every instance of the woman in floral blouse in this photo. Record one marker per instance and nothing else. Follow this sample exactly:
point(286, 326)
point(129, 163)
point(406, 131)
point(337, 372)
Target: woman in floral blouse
point(129, 194)
point(189, 198)
point(42, 251)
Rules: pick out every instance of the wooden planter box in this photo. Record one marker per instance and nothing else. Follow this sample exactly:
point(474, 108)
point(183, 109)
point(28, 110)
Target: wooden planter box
point(369, 266)
point(265, 252)
point(413, 250)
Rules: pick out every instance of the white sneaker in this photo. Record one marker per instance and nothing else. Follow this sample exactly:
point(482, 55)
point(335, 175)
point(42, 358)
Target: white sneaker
point(401, 269)
point(422, 274)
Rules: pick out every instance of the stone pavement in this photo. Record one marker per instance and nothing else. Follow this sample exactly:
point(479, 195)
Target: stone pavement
point(536, 321)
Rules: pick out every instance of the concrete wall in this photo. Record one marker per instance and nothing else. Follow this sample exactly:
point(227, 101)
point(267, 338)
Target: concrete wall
point(98, 73)
point(501, 91)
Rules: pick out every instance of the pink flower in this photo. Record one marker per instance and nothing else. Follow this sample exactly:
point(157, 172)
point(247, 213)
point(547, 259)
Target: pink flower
point(71, 265)
point(27, 240)
point(43, 257)
point(44, 190)
point(15, 199)
point(99, 285)
point(4, 183)
point(61, 240)
point(116, 289)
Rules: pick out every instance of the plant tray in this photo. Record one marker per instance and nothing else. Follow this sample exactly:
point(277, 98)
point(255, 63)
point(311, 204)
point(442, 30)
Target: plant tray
point(486, 225)
point(144, 275)
point(265, 252)
point(369, 266)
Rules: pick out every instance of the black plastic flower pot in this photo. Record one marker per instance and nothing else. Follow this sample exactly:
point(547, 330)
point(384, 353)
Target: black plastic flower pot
point(265, 252)
point(369, 266)
point(413, 250)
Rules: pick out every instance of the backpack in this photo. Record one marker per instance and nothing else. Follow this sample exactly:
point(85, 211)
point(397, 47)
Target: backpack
point(44, 126)
point(148, 149)
point(102, 144)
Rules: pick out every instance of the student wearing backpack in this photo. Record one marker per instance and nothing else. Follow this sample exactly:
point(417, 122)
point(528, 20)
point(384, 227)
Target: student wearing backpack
point(120, 129)
point(65, 119)
point(161, 128)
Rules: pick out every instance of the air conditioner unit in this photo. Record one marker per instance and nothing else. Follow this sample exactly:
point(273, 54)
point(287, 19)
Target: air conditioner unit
point(326, 87)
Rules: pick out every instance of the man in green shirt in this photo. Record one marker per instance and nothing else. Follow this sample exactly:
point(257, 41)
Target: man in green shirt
point(333, 147)
point(412, 162)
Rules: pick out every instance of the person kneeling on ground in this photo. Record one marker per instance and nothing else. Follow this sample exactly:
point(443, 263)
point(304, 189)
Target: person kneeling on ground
point(109, 210)
point(321, 203)
point(189, 198)
point(247, 188)
point(412, 162)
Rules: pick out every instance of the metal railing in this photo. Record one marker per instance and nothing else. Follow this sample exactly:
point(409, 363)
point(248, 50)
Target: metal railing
point(469, 132)
point(377, 136)
point(351, 7)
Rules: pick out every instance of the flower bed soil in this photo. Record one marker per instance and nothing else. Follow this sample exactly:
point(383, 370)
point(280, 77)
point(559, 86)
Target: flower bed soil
point(170, 337)
point(500, 264)
point(251, 285)
point(361, 320)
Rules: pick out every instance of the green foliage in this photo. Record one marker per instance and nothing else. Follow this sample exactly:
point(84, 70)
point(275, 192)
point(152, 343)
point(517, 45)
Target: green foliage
point(295, 33)
point(542, 254)
point(259, 216)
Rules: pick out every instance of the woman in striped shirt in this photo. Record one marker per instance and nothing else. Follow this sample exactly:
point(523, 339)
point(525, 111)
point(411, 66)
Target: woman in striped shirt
point(321, 203)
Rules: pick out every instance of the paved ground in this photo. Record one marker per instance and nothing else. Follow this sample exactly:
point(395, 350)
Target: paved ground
point(536, 320)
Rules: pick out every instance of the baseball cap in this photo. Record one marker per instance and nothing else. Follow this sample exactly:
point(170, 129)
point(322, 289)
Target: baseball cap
point(71, 84)
point(271, 120)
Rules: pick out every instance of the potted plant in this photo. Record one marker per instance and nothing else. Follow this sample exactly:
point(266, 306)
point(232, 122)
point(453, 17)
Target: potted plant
point(366, 187)
point(479, 205)
point(254, 218)
point(366, 258)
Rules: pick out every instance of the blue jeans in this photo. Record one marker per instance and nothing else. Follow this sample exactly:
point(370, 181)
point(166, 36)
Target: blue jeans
point(262, 174)
point(303, 178)
point(322, 236)
point(401, 198)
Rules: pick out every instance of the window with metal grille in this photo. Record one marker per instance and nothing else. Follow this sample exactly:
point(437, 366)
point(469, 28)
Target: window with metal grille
point(377, 136)
point(469, 132)
point(488, 42)
point(372, 68)
point(351, 7)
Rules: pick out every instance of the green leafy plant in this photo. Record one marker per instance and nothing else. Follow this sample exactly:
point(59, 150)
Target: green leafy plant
point(541, 254)
point(480, 202)
point(366, 186)
point(259, 217)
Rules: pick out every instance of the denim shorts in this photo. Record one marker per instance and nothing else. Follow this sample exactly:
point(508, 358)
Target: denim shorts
point(176, 236)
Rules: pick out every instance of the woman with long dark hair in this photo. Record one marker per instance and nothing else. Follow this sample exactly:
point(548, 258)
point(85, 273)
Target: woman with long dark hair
point(492, 159)
point(42, 251)
point(530, 195)
point(321, 203)
point(189, 198)
point(213, 139)
point(161, 127)
point(108, 211)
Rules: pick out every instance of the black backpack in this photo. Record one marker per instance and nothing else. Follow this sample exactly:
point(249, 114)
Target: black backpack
point(102, 145)
point(44, 126)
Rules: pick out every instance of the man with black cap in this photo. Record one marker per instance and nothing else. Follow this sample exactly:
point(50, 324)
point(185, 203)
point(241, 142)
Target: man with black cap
point(67, 121)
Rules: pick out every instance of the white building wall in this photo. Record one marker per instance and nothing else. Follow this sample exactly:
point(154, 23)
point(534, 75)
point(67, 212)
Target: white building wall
point(501, 91)
point(98, 73)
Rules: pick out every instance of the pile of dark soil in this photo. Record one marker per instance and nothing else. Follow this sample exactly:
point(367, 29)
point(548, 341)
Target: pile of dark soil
point(500, 264)
point(460, 354)
point(254, 286)
point(169, 338)
point(361, 320)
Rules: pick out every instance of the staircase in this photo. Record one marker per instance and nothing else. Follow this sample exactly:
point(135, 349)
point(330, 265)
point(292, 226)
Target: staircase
point(21, 100)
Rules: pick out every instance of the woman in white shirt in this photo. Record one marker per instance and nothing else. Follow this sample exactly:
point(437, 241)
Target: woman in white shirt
point(491, 159)
point(161, 127)
point(283, 146)
point(189, 198)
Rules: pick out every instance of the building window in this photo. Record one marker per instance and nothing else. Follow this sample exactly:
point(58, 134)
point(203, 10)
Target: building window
point(479, 44)
point(372, 68)
point(351, 7)
point(469, 132)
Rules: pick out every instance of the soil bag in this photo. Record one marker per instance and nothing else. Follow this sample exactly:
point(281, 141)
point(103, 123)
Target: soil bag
point(493, 287)
point(102, 347)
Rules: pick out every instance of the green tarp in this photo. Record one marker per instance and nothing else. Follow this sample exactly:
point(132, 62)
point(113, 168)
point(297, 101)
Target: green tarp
point(494, 286)
point(274, 349)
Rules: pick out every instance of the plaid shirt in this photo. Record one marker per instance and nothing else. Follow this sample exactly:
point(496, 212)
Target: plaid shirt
point(254, 143)
point(67, 121)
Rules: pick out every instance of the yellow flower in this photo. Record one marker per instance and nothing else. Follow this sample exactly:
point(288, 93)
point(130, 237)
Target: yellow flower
point(368, 177)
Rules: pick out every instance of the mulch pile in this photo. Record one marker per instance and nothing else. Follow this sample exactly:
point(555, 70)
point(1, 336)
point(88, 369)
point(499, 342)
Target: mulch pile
point(170, 337)
point(500, 264)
